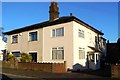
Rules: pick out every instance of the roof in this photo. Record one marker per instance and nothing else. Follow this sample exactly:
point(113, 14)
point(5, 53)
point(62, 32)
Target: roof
point(95, 49)
point(60, 20)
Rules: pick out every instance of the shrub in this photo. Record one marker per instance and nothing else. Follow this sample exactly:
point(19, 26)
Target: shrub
point(11, 57)
point(26, 57)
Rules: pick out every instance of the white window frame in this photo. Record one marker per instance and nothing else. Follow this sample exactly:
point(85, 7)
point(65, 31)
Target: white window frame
point(37, 35)
point(81, 49)
point(81, 33)
point(55, 35)
point(16, 51)
point(57, 48)
point(12, 38)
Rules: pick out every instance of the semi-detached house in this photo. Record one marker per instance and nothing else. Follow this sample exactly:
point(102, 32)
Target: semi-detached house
point(59, 39)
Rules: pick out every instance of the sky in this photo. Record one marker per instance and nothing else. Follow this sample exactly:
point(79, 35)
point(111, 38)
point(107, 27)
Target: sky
point(101, 15)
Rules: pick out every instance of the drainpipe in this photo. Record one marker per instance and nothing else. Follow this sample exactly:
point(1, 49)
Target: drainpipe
point(87, 62)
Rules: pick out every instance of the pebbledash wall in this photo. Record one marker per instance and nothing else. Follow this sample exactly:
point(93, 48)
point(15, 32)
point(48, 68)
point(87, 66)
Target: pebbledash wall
point(25, 46)
point(78, 42)
point(70, 41)
point(43, 46)
point(44, 67)
point(65, 41)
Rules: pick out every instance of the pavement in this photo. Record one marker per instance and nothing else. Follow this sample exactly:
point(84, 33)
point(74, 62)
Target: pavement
point(14, 74)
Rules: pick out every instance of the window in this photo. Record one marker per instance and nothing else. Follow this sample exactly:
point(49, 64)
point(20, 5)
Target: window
point(91, 57)
point(15, 39)
point(53, 33)
point(17, 53)
point(58, 53)
point(58, 32)
point(33, 36)
point(81, 54)
point(96, 39)
point(81, 33)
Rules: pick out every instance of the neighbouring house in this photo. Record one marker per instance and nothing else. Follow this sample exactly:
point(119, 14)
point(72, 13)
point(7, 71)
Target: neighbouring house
point(59, 39)
point(113, 53)
point(3, 45)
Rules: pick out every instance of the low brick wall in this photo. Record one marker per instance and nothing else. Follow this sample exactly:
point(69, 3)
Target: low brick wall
point(115, 71)
point(46, 67)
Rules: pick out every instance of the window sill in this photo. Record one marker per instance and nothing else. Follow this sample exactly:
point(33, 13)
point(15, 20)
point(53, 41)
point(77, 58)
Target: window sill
point(14, 43)
point(58, 37)
point(33, 41)
point(58, 59)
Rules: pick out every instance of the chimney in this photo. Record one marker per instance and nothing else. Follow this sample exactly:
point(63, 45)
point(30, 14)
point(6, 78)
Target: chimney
point(70, 14)
point(53, 11)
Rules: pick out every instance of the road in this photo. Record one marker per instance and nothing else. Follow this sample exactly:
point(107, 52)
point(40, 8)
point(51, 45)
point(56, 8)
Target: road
point(12, 74)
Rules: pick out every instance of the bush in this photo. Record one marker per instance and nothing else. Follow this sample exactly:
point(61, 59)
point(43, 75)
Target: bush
point(26, 57)
point(11, 57)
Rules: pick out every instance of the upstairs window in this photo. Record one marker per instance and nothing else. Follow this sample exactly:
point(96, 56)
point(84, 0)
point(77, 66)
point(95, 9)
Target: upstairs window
point(15, 39)
point(33, 36)
point(58, 32)
point(58, 53)
point(81, 33)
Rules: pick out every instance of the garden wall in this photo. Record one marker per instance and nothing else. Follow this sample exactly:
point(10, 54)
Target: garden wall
point(115, 71)
point(46, 67)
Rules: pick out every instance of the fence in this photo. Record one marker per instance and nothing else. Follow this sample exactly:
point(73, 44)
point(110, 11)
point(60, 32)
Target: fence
point(115, 71)
point(46, 67)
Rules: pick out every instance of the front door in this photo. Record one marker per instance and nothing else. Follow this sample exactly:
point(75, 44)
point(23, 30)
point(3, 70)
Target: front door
point(34, 56)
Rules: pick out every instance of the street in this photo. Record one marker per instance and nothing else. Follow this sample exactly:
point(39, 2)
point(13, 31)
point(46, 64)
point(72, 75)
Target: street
point(13, 74)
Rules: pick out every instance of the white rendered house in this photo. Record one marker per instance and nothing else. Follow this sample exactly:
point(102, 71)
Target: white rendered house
point(60, 39)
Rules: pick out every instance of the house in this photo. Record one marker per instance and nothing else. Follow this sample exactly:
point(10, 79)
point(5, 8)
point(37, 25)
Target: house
point(2, 45)
point(59, 39)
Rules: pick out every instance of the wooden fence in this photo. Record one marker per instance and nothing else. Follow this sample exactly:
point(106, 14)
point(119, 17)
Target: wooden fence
point(46, 67)
point(115, 70)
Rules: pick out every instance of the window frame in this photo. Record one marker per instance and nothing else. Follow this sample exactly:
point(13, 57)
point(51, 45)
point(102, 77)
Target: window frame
point(81, 33)
point(13, 52)
point(57, 57)
point(33, 52)
point(33, 32)
point(56, 32)
point(17, 39)
point(81, 49)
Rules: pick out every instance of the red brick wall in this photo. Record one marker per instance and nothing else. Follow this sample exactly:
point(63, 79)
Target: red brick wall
point(46, 67)
point(58, 67)
point(115, 71)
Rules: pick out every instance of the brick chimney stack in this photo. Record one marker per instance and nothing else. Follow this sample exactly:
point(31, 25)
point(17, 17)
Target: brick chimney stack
point(53, 11)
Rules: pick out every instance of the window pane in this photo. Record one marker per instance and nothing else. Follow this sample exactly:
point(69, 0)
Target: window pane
point(17, 54)
point(62, 32)
point(81, 33)
point(15, 39)
point(60, 47)
point(81, 54)
point(54, 54)
point(53, 33)
point(33, 36)
point(57, 53)
point(58, 32)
